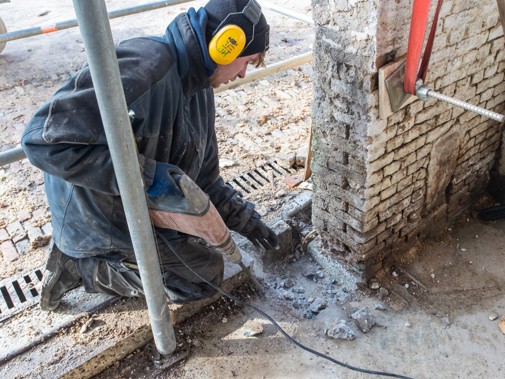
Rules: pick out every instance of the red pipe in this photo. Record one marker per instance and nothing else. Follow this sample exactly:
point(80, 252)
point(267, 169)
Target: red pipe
point(420, 13)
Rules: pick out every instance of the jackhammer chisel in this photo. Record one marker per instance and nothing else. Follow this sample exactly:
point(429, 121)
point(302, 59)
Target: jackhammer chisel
point(193, 213)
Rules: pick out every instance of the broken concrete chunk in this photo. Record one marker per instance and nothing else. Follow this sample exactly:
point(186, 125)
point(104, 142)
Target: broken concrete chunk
point(318, 305)
point(287, 295)
point(297, 304)
point(223, 163)
point(288, 283)
point(252, 328)
point(340, 330)
point(285, 160)
point(364, 319)
point(380, 307)
point(309, 275)
point(298, 290)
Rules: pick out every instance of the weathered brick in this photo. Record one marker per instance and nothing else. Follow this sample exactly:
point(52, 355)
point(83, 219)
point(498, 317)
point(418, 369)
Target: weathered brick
point(23, 246)
point(392, 168)
point(33, 232)
point(486, 95)
point(8, 251)
point(495, 101)
point(490, 82)
point(417, 165)
point(409, 159)
point(3, 235)
point(410, 147)
point(388, 192)
point(381, 162)
point(453, 76)
point(478, 77)
point(499, 89)
point(400, 174)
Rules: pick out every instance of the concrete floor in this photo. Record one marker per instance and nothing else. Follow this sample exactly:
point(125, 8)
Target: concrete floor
point(444, 325)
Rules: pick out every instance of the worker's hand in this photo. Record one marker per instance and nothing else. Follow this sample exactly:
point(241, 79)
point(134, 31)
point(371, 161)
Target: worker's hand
point(262, 236)
point(165, 181)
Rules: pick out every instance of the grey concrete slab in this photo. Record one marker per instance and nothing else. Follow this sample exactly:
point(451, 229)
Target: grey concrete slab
point(79, 341)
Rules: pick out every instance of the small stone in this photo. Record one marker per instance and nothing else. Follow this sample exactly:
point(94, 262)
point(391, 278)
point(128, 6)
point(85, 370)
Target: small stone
point(319, 274)
point(223, 163)
point(380, 307)
point(287, 295)
point(224, 320)
point(406, 285)
point(493, 316)
point(446, 321)
point(298, 290)
point(408, 324)
point(86, 326)
point(253, 328)
point(297, 304)
point(341, 330)
point(375, 286)
point(318, 305)
point(383, 292)
point(343, 296)
point(288, 283)
point(309, 275)
point(364, 319)
point(395, 274)
point(432, 275)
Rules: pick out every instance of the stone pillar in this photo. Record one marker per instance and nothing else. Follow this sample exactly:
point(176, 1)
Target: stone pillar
point(382, 185)
point(345, 74)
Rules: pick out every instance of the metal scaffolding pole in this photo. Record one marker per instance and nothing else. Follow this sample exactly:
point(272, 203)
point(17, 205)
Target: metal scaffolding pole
point(37, 30)
point(12, 155)
point(97, 37)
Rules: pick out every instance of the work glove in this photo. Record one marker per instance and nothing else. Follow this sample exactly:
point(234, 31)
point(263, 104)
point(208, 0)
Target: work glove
point(166, 177)
point(261, 235)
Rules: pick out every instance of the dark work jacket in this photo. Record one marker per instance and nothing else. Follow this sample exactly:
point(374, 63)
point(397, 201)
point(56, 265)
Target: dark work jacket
point(167, 88)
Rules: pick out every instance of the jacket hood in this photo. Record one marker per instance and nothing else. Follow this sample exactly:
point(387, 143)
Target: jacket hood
point(190, 63)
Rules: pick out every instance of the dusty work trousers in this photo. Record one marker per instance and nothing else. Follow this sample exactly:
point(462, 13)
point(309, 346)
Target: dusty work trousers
point(115, 274)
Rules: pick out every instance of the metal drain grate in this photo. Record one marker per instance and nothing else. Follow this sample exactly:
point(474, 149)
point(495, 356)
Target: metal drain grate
point(258, 178)
point(18, 294)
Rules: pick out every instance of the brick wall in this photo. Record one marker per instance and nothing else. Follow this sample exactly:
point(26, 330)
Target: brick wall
point(383, 184)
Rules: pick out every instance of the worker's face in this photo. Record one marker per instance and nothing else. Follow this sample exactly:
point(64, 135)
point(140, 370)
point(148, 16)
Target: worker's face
point(236, 69)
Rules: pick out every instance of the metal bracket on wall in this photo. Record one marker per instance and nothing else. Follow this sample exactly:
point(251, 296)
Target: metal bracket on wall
point(392, 97)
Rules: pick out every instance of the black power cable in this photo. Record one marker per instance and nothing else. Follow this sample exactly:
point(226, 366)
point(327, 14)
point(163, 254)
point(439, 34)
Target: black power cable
point(290, 339)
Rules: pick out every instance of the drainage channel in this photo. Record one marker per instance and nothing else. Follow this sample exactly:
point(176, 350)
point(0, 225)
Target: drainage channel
point(17, 294)
point(257, 179)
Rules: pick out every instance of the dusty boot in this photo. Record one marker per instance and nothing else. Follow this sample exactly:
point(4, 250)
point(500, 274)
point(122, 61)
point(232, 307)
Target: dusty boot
point(60, 276)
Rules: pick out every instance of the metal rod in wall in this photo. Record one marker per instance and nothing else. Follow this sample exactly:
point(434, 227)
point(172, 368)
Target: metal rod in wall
point(37, 30)
point(97, 37)
point(424, 93)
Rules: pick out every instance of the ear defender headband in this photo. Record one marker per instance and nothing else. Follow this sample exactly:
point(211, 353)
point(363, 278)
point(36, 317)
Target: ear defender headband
point(229, 41)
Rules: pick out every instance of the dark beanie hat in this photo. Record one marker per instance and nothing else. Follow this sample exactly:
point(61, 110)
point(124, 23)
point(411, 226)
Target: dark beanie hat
point(219, 10)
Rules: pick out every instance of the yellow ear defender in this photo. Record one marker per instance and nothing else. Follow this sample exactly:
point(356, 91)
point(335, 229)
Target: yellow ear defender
point(227, 44)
